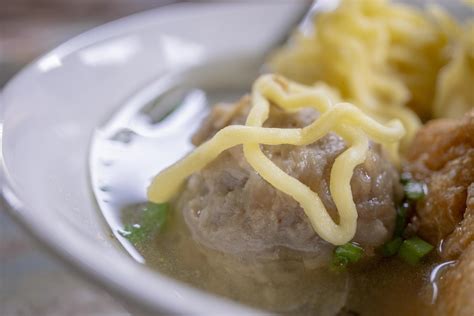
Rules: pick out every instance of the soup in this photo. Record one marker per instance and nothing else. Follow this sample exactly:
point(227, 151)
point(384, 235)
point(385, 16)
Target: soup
point(343, 184)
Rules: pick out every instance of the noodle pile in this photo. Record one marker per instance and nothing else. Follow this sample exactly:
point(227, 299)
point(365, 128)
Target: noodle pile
point(455, 86)
point(348, 121)
point(389, 59)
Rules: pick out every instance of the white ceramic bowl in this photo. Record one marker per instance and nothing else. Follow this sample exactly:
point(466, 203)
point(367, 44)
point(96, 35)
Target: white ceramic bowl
point(50, 110)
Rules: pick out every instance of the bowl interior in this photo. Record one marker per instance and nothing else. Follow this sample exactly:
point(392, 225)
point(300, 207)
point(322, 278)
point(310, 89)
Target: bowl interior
point(51, 110)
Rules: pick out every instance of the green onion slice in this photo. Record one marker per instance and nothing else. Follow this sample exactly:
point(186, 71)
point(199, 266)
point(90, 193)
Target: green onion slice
point(401, 219)
point(414, 249)
point(391, 248)
point(153, 220)
point(347, 253)
point(405, 177)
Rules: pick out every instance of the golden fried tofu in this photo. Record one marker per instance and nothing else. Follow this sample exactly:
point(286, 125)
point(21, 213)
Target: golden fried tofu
point(456, 287)
point(442, 156)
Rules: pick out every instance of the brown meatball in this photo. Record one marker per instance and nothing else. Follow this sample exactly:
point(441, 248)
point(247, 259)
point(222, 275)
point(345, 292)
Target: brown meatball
point(229, 207)
point(442, 156)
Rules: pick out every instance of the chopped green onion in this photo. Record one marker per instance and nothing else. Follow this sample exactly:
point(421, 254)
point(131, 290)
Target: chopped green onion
point(347, 253)
point(414, 249)
point(350, 251)
point(391, 248)
point(405, 177)
point(401, 219)
point(415, 190)
point(153, 220)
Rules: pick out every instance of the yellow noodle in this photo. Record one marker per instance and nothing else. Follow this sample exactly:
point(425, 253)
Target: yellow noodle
point(346, 120)
point(388, 59)
point(455, 87)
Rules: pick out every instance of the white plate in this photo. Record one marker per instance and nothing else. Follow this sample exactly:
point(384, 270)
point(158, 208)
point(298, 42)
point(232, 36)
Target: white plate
point(51, 109)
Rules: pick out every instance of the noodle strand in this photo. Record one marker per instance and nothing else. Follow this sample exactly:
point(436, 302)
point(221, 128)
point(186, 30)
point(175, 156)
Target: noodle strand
point(348, 121)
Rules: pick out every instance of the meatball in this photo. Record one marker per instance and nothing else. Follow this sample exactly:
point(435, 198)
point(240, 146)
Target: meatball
point(442, 156)
point(230, 208)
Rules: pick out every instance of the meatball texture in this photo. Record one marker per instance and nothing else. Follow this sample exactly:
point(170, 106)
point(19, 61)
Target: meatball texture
point(442, 156)
point(230, 208)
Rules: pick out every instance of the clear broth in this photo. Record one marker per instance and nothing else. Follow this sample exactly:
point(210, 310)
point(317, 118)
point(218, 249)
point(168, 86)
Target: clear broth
point(382, 287)
point(151, 132)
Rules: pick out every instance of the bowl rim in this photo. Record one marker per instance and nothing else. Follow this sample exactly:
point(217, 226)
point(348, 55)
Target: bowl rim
point(93, 269)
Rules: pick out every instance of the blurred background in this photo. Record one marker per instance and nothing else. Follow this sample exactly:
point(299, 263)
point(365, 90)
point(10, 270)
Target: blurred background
point(32, 282)
point(30, 28)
